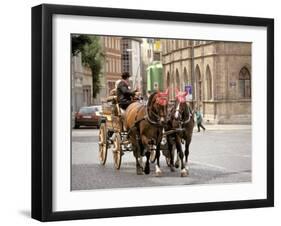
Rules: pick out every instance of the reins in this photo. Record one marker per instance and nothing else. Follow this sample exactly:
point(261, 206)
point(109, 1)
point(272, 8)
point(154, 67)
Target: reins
point(147, 116)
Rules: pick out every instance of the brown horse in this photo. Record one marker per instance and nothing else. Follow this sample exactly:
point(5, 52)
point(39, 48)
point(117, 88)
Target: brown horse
point(181, 118)
point(145, 125)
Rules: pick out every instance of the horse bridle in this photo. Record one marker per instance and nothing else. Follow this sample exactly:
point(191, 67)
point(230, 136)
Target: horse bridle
point(180, 113)
point(158, 118)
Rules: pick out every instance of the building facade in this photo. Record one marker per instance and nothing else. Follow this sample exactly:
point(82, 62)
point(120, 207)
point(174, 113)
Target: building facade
point(77, 75)
point(150, 54)
point(81, 77)
point(111, 71)
point(82, 80)
point(219, 74)
point(131, 60)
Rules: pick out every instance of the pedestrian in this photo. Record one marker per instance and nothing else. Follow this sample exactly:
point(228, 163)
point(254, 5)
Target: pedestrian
point(199, 120)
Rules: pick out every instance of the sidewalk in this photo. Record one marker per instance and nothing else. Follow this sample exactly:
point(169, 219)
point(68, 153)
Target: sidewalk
point(226, 127)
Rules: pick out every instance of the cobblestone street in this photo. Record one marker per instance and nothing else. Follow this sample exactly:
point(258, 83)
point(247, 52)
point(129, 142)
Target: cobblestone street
point(222, 154)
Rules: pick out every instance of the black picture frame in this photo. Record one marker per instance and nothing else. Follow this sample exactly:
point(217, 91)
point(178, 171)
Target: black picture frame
point(42, 111)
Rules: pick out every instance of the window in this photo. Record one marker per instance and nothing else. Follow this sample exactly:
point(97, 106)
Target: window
point(119, 66)
point(149, 53)
point(208, 83)
point(172, 86)
point(168, 46)
point(187, 78)
point(156, 56)
point(126, 59)
point(168, 80)
point(87, 95)
point(244, 83)
point(113, 65)
point(178, 80)
point(199, 91)
point(177, 44)
point(169, 85)
point(113, 43)
point(107, 66)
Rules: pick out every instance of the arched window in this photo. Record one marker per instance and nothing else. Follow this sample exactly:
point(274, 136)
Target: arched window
point(169, 85)
point(244, 83)
point(187, 78)
point(199, 91)
point(209, 87)
point(168, 80)
point(178, 84)
point(172, 86)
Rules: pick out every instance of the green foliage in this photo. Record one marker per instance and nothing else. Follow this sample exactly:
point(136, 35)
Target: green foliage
point(92, 57)
point(90, 48)
point(78, 42)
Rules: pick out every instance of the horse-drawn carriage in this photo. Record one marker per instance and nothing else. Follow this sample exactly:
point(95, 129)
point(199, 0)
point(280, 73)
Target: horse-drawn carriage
point(112, 134)
point(145, 129)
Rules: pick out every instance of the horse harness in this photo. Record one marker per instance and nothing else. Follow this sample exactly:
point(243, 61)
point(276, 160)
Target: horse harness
point(183, 123)
point(146, 117)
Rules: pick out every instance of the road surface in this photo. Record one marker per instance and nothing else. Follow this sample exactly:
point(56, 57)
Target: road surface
point(222, 154)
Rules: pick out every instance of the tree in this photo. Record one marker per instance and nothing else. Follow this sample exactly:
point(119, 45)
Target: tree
point(92, 56)
point(78, 42)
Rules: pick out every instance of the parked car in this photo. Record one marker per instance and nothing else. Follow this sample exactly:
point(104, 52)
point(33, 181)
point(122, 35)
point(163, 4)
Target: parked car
point(88, 116)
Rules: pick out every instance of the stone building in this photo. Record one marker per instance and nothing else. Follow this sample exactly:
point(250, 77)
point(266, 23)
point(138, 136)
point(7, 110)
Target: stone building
point(87, 87)
point(81, 84)
point(77, 74)
point(218, 72)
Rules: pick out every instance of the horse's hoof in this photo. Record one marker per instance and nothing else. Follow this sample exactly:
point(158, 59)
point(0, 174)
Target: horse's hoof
point(140, 171)
point(172, 168)
point(184, 173)
point(177, 165)
point(158, 173)
point(146, 170)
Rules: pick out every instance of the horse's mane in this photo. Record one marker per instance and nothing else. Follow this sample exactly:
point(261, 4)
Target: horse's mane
point(151, 97)
point(186, 110)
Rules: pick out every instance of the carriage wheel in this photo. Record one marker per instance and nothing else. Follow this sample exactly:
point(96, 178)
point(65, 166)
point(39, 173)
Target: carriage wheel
point(103, 146)
point(117, 152)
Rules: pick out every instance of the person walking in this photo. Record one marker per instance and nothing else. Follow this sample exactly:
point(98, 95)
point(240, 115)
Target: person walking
point(199, 120)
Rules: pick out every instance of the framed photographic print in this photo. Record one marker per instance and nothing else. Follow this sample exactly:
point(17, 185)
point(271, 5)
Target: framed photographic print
point(145, 112)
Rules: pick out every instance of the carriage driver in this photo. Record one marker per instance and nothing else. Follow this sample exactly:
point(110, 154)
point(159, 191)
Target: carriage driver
point(124, 92)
